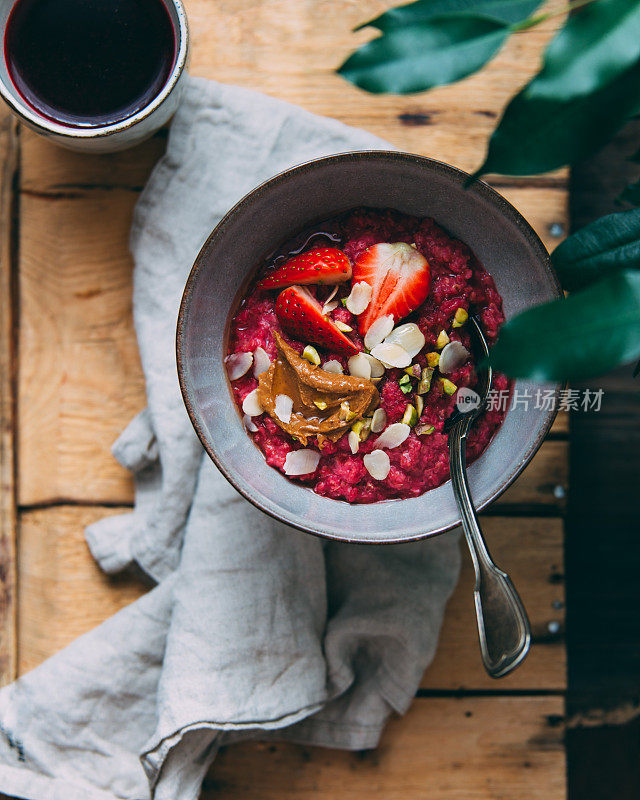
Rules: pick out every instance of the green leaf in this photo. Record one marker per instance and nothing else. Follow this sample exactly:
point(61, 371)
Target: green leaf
point(507, 11)
point(589, 333)
point(419, 57)
point(631, 194)
point(609, 243)
point(588, 87)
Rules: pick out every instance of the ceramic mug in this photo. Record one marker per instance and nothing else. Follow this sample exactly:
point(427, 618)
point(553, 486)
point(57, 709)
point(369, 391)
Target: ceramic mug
point(119, 135)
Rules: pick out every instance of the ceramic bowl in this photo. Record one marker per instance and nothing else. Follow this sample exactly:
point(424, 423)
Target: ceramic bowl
point(502, 240)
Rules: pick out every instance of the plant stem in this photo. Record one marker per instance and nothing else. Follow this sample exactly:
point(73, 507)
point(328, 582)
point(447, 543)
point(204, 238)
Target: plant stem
point(518, 27)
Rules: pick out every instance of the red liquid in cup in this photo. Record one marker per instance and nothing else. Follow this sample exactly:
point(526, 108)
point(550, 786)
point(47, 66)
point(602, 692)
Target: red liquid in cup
point(88, 63)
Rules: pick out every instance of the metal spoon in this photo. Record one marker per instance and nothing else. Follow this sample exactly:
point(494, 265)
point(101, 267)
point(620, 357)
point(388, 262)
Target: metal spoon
point(503, 627)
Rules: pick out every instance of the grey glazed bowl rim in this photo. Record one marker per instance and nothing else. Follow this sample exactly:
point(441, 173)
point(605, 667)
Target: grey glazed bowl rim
point(354, 157)
point(23, 110)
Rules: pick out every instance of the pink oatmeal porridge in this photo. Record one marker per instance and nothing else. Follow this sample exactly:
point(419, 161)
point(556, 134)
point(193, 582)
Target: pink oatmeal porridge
point(367, 413)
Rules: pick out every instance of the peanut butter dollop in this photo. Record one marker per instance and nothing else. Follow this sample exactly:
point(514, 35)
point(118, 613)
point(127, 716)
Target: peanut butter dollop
point(319, 397)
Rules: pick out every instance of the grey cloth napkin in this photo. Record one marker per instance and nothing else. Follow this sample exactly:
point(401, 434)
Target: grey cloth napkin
point(253, 629)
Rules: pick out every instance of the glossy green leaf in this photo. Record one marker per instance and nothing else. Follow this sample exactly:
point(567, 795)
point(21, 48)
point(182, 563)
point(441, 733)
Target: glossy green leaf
point(631, 194)
point(418, 57)
point(588, 87)
point(589, 333)
point(609, 243)
point(507, 11)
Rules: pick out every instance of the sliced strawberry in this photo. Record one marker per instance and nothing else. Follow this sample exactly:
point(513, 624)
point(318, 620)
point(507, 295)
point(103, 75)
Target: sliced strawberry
point(300, 314)
point(399, 277)
point(325, 265)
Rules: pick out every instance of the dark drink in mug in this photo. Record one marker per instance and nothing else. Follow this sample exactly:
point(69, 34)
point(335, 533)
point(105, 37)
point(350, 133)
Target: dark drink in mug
point(89, 62)
point(93, 75)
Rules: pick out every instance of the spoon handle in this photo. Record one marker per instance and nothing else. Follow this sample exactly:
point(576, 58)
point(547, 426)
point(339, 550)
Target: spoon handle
point(503, 627)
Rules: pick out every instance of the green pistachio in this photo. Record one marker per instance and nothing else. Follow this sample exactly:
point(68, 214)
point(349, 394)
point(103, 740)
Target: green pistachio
point(410, 416)
point(311, 354)
point(425, 381)
point(442, 340)
point(447, 386)
point(460, 317)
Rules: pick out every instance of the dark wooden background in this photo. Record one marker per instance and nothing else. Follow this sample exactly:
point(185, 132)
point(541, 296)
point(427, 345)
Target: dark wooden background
point(603, 542)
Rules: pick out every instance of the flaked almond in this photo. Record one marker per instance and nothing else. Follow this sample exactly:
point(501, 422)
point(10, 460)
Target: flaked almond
point(354, 441)
point(392, 355)
point(377, 464)
point(359, 298)
point(238, 364)
point(261, 361)
point(329, 305)
point(408, 336)
point(333, 366)
point(342, 326)
point(393, 436)
point(249, 424)
point(377, 367)
point(327, 308)
point(360, 366)
point(301, 462)
point(283, 408)
point(251, 404)
point(378, 332)
point(453, 355)
point(379, 420)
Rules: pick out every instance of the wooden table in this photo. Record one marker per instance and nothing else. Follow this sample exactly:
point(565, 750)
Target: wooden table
point(70, 380)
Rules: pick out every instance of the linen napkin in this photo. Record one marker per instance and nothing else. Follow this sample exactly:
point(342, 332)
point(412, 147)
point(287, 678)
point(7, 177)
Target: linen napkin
point(253, 629)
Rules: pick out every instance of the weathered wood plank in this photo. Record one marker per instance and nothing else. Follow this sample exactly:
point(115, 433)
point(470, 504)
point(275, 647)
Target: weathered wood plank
point(561, 425)
point(49, 171)
point(489, 748)
point(63, 594)
point(8, 165)
point(54, 171)
point(80, 381)
point(543, 483)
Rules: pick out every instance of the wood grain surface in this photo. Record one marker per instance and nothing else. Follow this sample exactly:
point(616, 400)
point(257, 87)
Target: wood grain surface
point(76, 377)
point(468, 748)
point(8, 165)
